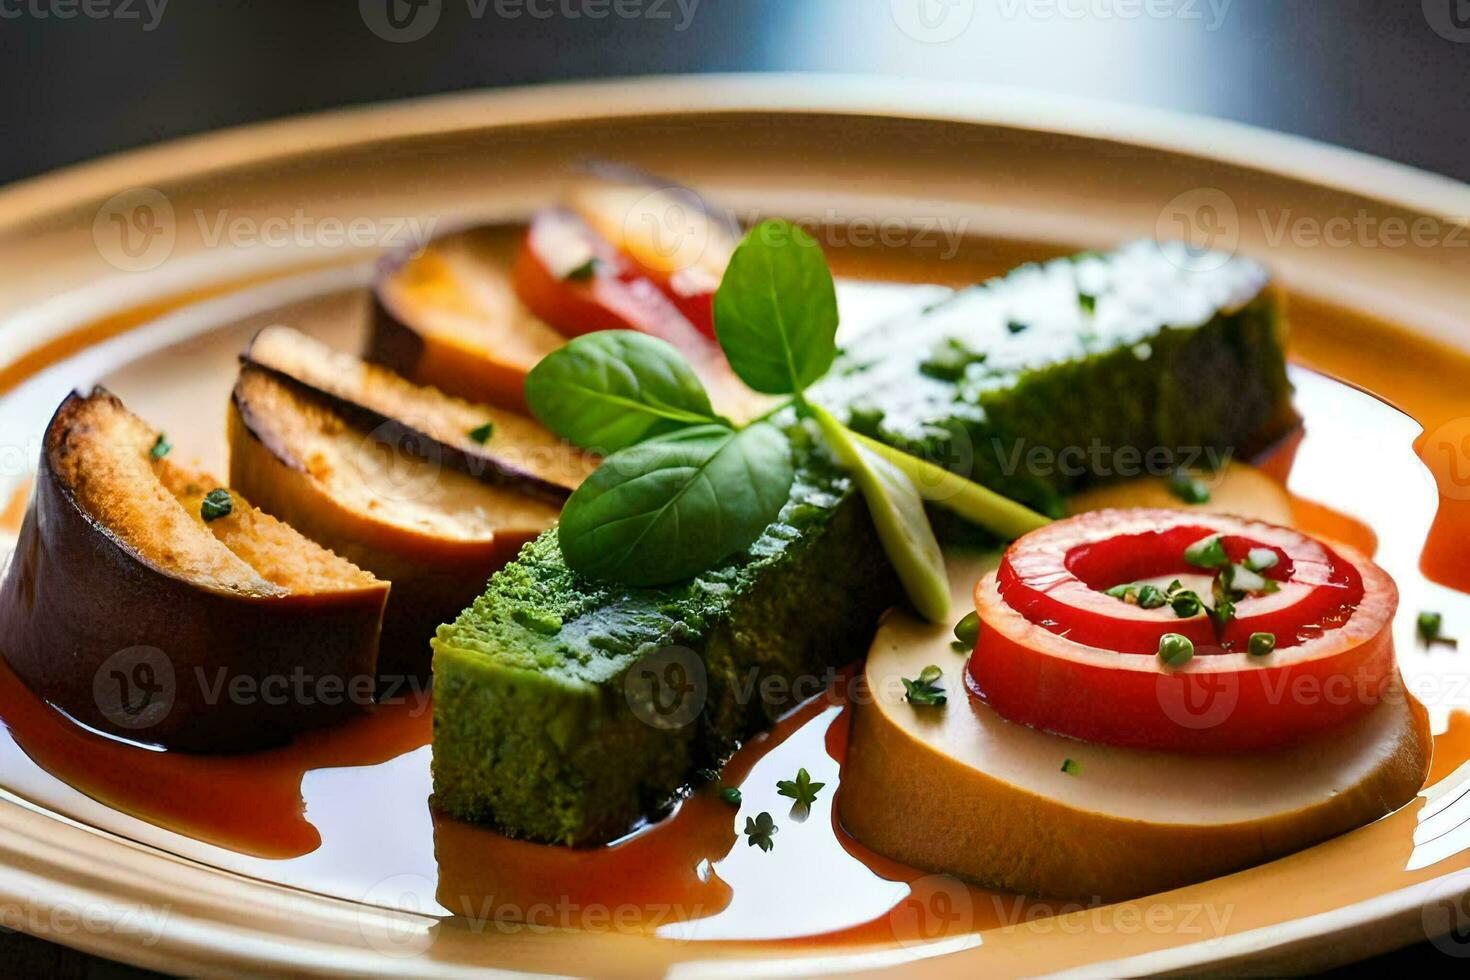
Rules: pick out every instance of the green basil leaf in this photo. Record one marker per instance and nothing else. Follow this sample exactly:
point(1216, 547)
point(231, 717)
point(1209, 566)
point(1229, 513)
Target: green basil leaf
point(898, 513)
point(676, 505)
point(776, 310)
point(607, 390)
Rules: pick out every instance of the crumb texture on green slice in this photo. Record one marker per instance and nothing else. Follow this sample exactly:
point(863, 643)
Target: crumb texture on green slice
point(542, 717)
point(1060, 375)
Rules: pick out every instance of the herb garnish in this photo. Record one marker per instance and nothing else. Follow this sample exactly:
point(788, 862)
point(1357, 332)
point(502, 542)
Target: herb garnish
point(1206, 553)
point(1429, 625)
point(801, 789)
point(925, 689)
point(731, 795)
point(1087, 301)
point(967, 633)
point(760, 829)
point(161, 447)
point(1188, 488)
point(583, 272)
point(681, 488)
point(216, 504)
point(1071, 767)
point(482, 434)
point(1016, 326)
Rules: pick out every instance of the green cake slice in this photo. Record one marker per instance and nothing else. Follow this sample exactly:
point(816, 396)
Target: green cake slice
point(568, 710)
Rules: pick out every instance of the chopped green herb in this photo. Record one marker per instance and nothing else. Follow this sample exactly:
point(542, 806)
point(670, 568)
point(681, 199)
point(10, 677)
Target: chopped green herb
point(1186, 604)
point(967, 631)
point(730, 795)
point(760, 829)
point(949, 360)
point(1189, 489)
point(1087, 301)
point(1261, 644)
point(1175, 650)
point(161, 447)
point(1239, 578)
point(1016, 326)
point(1260, 559)
point(1223, 610)
point(1127, 592)
point(1207, 553)
point(1430, 625)
point(482, 433)
point(1071, 767)
point(801, 789)
point(216, 504)
point(583, 272)
point(1151, 597)
point(924, 690)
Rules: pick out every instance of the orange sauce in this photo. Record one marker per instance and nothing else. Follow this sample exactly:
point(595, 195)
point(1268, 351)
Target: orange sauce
point(247, 803)
point(692, 870)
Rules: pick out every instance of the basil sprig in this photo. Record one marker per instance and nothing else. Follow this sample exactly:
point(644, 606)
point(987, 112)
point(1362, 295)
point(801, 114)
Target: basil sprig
point(673, 506)
point(609, 390)
point(776, 310)
point(682, 489)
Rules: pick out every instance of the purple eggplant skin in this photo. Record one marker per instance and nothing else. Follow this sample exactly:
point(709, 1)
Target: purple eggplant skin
point(109, 639)
point(481, 463)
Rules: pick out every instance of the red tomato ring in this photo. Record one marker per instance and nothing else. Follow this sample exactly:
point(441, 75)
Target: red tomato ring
point(1057, 654)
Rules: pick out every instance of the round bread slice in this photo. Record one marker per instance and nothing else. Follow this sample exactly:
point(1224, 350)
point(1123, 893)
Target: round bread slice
point(958, 789)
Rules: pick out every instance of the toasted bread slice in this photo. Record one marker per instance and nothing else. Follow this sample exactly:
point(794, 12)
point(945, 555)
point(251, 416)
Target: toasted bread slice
point(140, 611)
point(382, 496)
point(497, 446)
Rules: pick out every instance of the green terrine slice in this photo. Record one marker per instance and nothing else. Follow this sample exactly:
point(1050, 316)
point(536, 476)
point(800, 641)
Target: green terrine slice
point(568, 710)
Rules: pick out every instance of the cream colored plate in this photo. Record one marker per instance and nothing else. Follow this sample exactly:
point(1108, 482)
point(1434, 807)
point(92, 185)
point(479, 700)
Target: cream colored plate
point(253, 220)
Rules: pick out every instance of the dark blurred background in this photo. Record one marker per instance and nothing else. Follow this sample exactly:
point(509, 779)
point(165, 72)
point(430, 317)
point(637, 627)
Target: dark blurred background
point(81, 78)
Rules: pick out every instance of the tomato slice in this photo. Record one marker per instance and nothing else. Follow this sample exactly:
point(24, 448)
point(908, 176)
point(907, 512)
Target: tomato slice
point(1058, 653)
point(578, 282)
point(668, 234)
